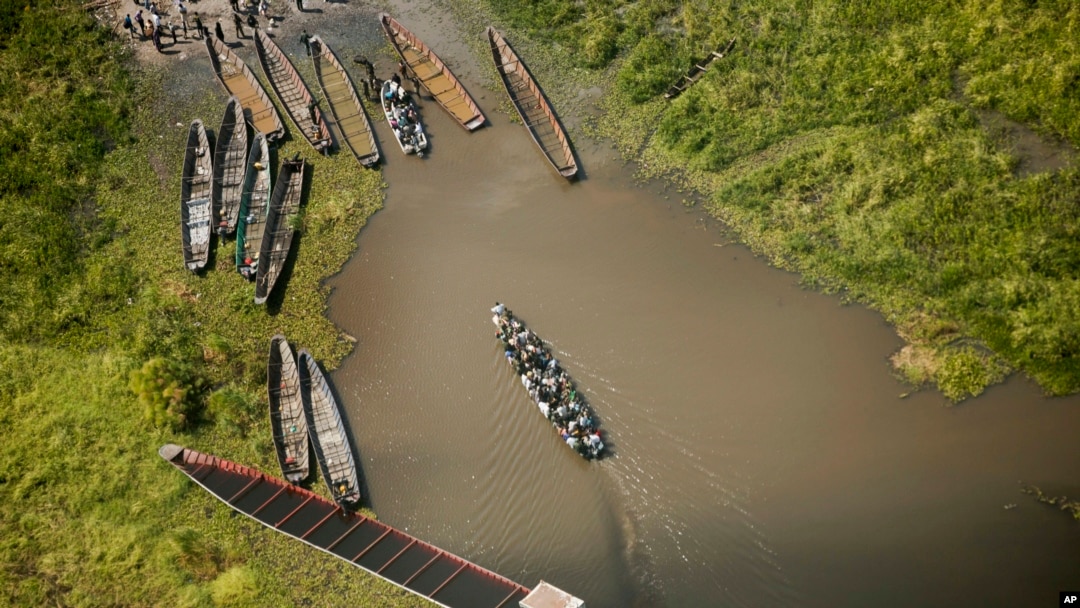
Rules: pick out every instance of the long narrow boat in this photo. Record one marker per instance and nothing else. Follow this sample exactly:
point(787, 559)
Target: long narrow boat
point(548, 385)
point(333, 449)
point(532, 106)
point(229, 156)
point(254, 203)
point(696, 71)
point(292, 92)
point(392, 555)
point(196, 203)
point(345, 106)
point(278, 230)
point(415, 141)
point(287, 418)
point(433, 74)
point(238, 80)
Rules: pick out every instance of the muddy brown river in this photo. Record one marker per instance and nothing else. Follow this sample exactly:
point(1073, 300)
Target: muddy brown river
point(761, 452)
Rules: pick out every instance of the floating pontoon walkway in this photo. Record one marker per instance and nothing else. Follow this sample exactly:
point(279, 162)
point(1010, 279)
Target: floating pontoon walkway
point(407, 562)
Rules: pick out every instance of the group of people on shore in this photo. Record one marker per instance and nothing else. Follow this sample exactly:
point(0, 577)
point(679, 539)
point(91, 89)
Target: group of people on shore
point(150, 26)
point(548, 384)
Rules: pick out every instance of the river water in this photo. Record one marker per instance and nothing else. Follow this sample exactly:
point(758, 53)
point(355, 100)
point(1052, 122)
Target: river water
point(762, 452)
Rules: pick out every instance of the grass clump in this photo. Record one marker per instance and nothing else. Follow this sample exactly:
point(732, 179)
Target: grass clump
point(169, 391)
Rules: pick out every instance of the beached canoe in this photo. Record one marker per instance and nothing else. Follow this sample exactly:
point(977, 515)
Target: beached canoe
point(329, 437)
point(278, 231)
point(254, 203)
point(230, 154)
point(287, 418)
point(345, 105)
point(433, 74)
point(532, 106)
point(196, 203)
point(293, 93)
point(238, 80)
point(410, 136)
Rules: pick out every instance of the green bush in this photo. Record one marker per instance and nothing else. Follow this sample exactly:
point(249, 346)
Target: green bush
point(648, 70)
point(169, 391)
point(233, 408)
point(965, 372)
point(598, 45)
point(235, 587)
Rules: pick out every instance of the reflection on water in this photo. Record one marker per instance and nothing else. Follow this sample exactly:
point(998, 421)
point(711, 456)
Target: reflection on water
point(763, 455)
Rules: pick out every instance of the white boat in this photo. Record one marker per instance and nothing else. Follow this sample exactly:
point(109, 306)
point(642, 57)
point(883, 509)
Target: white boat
point(408, 133)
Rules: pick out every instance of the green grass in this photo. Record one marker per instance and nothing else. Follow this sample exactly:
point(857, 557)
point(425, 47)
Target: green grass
point(843, 141)
point(840, 140)
point(93, 290)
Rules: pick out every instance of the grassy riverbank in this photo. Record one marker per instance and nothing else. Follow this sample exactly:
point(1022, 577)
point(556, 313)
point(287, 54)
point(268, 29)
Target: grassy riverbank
point(850, 146)
point(92, 288)
point(911, 156)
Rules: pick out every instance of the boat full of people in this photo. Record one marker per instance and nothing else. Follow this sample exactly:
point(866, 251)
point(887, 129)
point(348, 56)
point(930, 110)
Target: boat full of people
point(403, 117)
point(549, 386)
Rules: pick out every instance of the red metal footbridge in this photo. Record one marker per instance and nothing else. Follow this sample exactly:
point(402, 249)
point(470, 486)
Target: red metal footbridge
point(390, 554)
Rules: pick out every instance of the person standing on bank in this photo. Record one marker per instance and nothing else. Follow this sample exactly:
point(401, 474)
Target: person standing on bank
point(156, 37)
point(142, 24)
point(306, 41)
point(239, 23)
point(235, 4)
point(300, 5)
point(220, 33)
point(198, 24)
point(129, 25)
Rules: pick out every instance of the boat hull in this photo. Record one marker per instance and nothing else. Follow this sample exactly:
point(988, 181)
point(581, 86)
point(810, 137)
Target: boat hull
point(329, 437)
point(278, 230)
point(345, 106)
point(229, 161)
point(532, 106)
point(287, 420)
point(433, 74)
point(292, 92)
point(254, 203)
point(196, 198)
point(238, 80)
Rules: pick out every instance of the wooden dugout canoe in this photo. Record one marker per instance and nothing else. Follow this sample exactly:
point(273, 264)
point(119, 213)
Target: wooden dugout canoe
point(433, 74)
point(696, 71)
point(292, 92)
point(254, 202)
point(238, 80)
point(329, 437)
point(532, 106)
point(345, 105)
point(278, 231)
point(230, 154)
point(196, 203)
point(287, 419)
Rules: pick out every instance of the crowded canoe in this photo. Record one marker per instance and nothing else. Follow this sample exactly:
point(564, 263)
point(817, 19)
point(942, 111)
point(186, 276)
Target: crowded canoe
point(548, 384)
